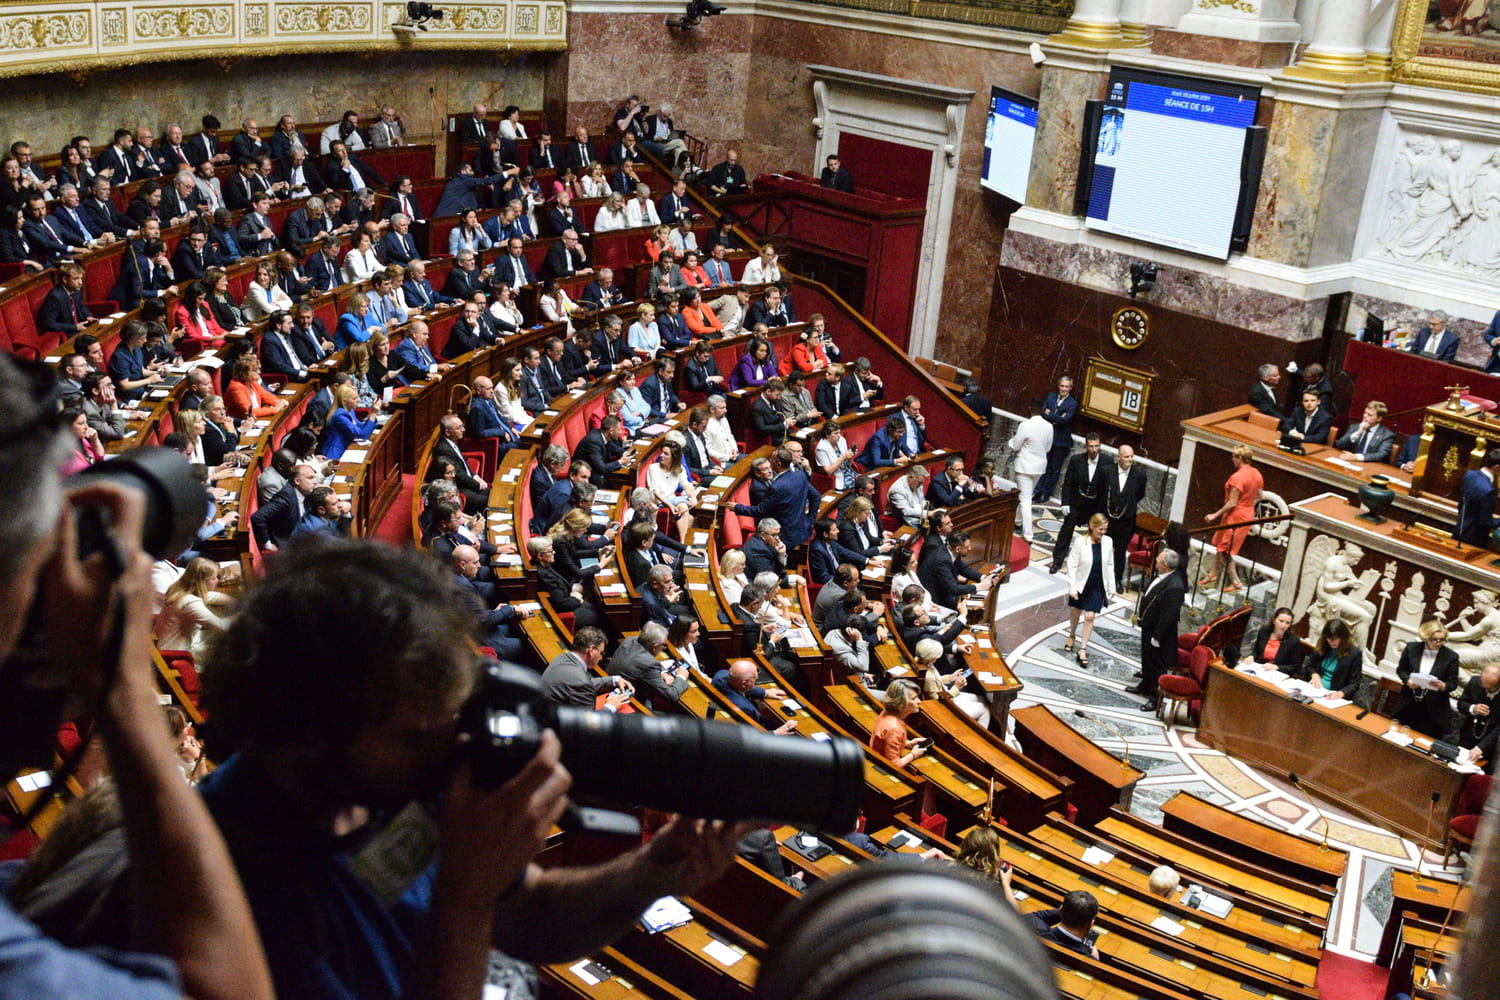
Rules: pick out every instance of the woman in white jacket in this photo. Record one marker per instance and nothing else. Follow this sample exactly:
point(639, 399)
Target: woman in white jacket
point(1091, 582)
point(1031, 443)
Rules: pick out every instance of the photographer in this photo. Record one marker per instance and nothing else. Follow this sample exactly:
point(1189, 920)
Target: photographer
point(313, 790)
point(188, 913)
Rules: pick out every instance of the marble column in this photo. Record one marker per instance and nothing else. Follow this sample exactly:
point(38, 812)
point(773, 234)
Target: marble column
point(1381, 23)
point(1133, 21)
point(1337, 45)
point(1095, 23)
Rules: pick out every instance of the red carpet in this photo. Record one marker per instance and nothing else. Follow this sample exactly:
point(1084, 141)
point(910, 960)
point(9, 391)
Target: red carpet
point(1341, 978)
point(395, 527)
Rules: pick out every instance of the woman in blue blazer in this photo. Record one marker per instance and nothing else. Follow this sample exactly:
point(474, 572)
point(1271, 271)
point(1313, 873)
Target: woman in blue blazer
point(344, 428)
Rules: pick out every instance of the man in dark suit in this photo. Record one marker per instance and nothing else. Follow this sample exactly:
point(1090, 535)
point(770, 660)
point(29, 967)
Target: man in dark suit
point(790, 498)
point(771, 310)
point(278, 348)
point(303, 225)
point(474, 128)
point(467, 333)
point(247, 146)
point(695, 448)
point(566, 258)
point(397, 245)
point(765, 552)
point(635, 660)
point(309, 336)
point(63, 310)
point(657, 390)
point(602, 291)
point(602, 448)
point(947, 577)
point(323, 268)
point(1125, 488)
point(558, 499)
point(119, 156)
point(825, 553)
point(563, 216)
point(45, 236)
point(1058, 409)
point(418, 291)
point(579, 152)
point(861, 388)
point(180, 200)
point(534, 394)
point(766, 419)
point(1479, 713)
point(1369, 440)
point(274, 521)
point(702, 374)
point(512, 267)
point(256, 236)
point(552, 369)
point(1308, 424)
point(952, 486)
point(241, 187)
point(1160, 609)
point(1263, 392)
point(191, 260)
point(482, 598)
point(476, 492)
point(1083, 492)
point(1072, 924)
point(465, 277)
point(674, 205)
point(1436, 341)
point(836, 175)
point(102, 215)
point(1476, 502)
point(624, 149)
point(145, 274)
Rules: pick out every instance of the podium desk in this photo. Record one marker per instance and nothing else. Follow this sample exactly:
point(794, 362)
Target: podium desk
point(1343, 759)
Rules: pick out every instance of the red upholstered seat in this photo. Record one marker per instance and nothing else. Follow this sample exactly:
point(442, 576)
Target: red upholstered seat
point(1187, 688)
point(181, 661)
point(1469, 809)
point(1465, 826)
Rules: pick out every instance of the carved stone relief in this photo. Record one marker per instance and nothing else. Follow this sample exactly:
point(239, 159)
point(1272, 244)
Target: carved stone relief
point(1442, 206)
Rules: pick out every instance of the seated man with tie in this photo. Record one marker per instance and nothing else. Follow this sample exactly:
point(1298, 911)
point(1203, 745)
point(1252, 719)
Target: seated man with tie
point(63, 311)
point(826, 553)
point(278, 348)
point(102, 215)
point(414, 355)
point(657, 390)
point(397, 246)
point(419, 293)
point(465, 277)
point(46, 239)
point(486, 420)
point(69, 218)
point(190, 261)
point(1369, 440)
point(311, 336)
point(1437, 341)
point(468, 333)
point(1478, 708)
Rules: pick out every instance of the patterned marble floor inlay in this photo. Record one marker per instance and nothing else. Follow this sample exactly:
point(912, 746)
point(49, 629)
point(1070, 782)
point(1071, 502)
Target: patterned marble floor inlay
point(1173, 757)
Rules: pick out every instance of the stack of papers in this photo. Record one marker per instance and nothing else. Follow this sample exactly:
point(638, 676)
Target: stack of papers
point(1397, 737)
point(1216, 906)
point(666, 913)
point(355, 455)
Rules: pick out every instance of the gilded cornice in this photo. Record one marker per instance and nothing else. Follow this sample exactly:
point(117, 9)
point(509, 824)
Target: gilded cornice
point(52, 36)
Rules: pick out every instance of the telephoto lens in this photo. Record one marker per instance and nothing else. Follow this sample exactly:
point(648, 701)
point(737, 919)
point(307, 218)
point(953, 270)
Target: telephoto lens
point(904, 929)
point(712, 770)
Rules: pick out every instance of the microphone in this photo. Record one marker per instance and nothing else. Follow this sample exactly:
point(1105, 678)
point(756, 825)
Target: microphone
point(1297, 784)
point(1362, 713)
point(1124, 763)
point(1416, 874)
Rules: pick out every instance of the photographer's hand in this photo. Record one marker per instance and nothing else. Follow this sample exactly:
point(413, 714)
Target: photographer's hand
point(186, 899)
point(487, 841)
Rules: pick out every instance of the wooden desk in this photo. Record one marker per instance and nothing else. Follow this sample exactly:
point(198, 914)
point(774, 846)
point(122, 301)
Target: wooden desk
point(1428, 898)
point(629, 980)
point(1342, 758)
point(1215, 826)
point(1205, 465)
point(1100, 779)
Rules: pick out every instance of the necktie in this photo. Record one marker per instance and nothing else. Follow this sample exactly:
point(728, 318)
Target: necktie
point(78, 221)
point(50, 231)
point(1359, 445)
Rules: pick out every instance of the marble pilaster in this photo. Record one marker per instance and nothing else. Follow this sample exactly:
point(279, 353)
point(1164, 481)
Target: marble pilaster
point(1059, 134)
point(1337, 45)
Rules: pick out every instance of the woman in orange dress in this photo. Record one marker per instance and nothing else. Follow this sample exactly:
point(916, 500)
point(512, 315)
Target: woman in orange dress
point(888, 737)
point(1241, 491)
point(245, 396)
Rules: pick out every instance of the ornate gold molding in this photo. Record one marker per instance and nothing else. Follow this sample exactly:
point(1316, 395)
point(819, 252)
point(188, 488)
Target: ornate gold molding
point(1417, 57)
point(47, 36)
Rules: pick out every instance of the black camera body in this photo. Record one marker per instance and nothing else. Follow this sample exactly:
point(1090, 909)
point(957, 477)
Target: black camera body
point(712, 770)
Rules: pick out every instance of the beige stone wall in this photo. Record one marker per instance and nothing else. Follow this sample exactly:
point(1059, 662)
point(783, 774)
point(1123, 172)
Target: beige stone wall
point(423, 86)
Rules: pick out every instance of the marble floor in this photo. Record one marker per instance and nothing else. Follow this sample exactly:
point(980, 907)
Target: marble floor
point(1031, 627)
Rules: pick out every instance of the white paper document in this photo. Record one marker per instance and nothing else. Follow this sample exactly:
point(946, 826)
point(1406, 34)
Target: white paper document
point(1167, 926)
point(1097, 856)
point(666, 912)
point(721, 953)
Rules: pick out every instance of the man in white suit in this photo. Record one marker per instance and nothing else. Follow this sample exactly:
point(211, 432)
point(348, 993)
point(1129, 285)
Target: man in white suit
point(1030, 444)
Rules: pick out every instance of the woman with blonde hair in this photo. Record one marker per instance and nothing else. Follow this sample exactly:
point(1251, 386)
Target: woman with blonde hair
point(570, 545)
point(187, 619)
point(980, 851)
point(731, 572)
point(889, 737)
point(1241, 491)
point(356, 364)
point(344, 427)
point(611, 214)
point(1091, 582)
